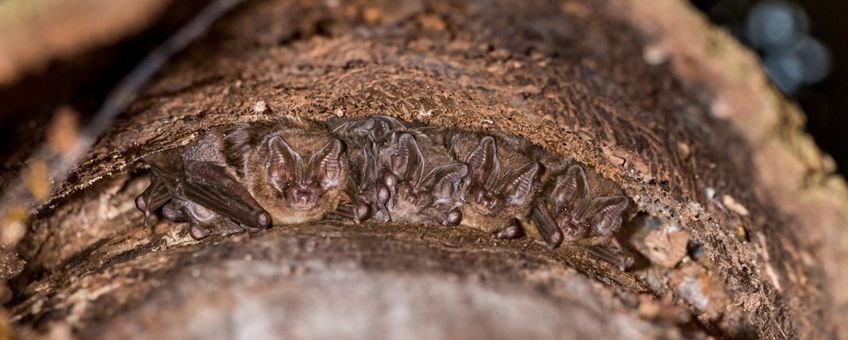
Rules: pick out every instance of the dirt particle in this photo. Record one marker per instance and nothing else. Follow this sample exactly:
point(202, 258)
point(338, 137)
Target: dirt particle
point(698, 288)
point(655, 54)
point(14, 225)
point(742, 233)
point(260, 107)
point(37, 180)
point(371, 15)
point(667, 248)
point(575, 8)
point(423, 114)
point(431, 22)
point(684, 149)
point(773, 277)
point(734, 206)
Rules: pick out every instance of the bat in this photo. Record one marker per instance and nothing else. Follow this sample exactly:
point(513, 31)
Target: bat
point(423, 182)
point(494, 200)
point(568, 205)
point(404, 176)
point(294, 168)
point(191, 184)
point(368, 139)
point(374, 130)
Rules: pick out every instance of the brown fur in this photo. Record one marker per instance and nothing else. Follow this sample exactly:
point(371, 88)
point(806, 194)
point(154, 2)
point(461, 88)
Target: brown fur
point(246, 150)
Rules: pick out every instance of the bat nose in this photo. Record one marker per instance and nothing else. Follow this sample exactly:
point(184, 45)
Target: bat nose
point(299, 194)
point(486, 200)
point(303, 195)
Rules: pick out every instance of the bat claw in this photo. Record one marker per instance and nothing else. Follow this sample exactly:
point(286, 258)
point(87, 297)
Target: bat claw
point(614, 254)
point(555, 240)
point(263, 220)
point(173, 213)
point(453, 218)
point(510, 232)
point(360, 212)
point(142, 205)
point(197, 232)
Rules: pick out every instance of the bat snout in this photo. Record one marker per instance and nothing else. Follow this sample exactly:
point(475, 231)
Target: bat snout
point(302, 197)
point(486, 202)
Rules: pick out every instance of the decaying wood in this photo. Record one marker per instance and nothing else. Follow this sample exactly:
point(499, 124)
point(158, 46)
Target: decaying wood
point(738, 212)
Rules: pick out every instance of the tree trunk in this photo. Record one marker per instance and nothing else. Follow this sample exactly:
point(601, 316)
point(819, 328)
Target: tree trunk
point(738, 222)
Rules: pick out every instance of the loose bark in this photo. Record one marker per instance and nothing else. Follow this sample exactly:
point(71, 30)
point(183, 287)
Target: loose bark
point(691, 131)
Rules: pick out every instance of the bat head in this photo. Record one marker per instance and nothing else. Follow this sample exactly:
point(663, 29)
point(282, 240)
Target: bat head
point(298, 185)
point(576, 213)
point(413, 191)
point(489, 193)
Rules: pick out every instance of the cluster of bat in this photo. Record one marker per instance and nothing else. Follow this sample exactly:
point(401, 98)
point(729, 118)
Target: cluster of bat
point(291, 171)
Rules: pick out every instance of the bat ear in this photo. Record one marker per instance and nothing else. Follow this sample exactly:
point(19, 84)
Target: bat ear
point(443, 181)
point(606, 214)
point(283, 164)
point(571, 190)
point(517, 184)
point(407, 159)
point(325, 166)
point(369, 171)
point(483, 162)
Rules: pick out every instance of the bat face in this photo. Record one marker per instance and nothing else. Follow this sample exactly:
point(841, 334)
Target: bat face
point(301, 184)
point(579, 215)
point(493, 199)
point(419, 197)
point(298, 176)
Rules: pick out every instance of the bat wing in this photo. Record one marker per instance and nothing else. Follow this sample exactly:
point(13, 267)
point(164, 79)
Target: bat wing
point(546, 225)
point(209, 185)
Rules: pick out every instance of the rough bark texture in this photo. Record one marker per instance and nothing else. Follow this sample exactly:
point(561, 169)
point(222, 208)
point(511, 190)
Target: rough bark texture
point(645, 92)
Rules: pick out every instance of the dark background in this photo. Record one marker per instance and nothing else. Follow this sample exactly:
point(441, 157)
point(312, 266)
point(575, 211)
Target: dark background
point(825, 102)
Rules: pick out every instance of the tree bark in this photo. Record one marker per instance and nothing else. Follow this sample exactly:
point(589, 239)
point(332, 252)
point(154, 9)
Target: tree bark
point(738, 220)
